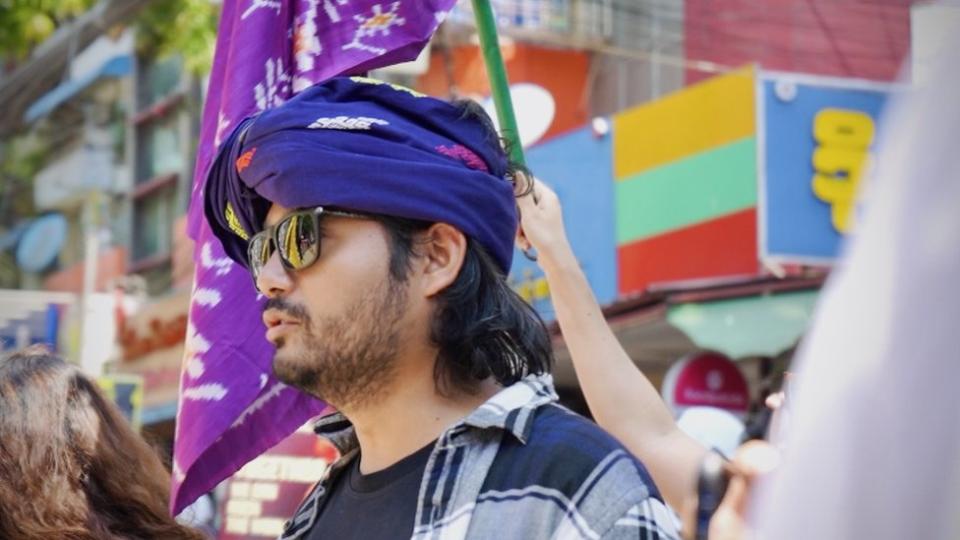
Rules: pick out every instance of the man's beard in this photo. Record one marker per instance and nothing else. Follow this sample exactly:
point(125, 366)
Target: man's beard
point(346, 360)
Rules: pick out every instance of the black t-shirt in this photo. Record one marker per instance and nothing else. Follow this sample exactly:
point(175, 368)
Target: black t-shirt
point(377, 506)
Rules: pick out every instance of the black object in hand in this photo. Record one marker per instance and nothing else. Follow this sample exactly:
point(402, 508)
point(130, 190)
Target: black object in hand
point(712, 485)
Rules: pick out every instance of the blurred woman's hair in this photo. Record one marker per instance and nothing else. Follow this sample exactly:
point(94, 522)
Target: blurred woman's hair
point(70, 465)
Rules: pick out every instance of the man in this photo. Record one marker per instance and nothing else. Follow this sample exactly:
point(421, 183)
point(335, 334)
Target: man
point(379, 224)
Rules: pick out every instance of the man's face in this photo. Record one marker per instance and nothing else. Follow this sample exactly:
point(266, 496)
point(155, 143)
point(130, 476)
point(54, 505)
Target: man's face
point(337, 324)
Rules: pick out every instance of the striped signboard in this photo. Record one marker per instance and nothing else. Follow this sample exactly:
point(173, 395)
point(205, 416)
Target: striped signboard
point(685, 184)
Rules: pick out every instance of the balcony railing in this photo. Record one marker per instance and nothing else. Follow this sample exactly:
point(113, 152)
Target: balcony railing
point(585, 20)
point(629, 25)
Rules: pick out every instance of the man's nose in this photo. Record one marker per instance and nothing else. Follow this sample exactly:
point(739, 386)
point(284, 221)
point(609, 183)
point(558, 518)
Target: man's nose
point(274, 280)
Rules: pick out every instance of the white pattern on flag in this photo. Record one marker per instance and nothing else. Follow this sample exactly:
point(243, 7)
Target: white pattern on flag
point(206, 297)
point(273, 392)
point(380, 21)
point(222, 124)
point(306, 45)
point(332, 10)
point(178, 471)
point(196, 342)
point(206, 392)
point(196, 345)
point(223, 265)
point(272, 91)
point(257, 4)
point(195, 367)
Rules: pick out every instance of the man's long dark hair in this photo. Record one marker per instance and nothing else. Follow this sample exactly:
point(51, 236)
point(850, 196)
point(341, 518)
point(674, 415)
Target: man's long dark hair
point(481, 326)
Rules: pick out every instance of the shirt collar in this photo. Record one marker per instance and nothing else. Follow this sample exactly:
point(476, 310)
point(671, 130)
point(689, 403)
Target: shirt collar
point(510, 409)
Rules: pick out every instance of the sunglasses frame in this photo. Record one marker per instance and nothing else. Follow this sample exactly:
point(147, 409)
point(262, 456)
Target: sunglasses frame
point(271, 233)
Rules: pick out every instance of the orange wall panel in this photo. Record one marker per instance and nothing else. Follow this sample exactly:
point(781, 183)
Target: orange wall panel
point(561, 72)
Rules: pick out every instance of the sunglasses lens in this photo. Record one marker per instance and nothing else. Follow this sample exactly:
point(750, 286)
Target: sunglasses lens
point(299, 240)
point(259, 252)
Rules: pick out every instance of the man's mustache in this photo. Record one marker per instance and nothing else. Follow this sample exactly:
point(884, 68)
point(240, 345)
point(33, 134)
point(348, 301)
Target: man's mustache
point(294, 311)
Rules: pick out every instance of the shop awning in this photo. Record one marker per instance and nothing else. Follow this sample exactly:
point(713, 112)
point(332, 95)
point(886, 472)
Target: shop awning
point(648, 338)
point(741, 317)
point(762, 325)
point(117, 66)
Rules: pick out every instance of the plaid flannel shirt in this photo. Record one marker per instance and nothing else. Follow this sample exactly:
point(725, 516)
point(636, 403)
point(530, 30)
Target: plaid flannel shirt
point(518, 467)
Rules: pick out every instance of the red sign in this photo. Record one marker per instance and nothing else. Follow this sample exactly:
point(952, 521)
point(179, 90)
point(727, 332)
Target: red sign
point(706, 379)
point(267, 491)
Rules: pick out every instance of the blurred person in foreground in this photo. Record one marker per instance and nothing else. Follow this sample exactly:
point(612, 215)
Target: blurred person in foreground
point(872, 449)
point(70, 465)
point(873, 445)
point(379, 224)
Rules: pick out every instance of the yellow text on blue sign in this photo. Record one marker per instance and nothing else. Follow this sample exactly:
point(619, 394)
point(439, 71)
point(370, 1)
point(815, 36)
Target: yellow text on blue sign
point(840, 159)
point(531, 288)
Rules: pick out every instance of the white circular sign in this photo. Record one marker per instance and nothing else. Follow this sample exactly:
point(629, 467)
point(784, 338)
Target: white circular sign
point(534, 108)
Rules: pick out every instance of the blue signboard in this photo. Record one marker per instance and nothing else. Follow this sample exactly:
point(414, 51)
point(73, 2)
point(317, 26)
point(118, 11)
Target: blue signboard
point(578, 166)
point(817, 142)
point(41, 242)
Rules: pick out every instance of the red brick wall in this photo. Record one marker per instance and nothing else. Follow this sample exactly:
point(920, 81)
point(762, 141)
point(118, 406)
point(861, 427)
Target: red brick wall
point(866, 39)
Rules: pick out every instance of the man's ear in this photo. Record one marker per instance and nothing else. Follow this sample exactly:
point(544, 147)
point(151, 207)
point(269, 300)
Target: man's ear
point(442, 248)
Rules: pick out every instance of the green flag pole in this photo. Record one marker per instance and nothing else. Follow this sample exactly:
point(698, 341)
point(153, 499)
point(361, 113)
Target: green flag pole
point(499, 86)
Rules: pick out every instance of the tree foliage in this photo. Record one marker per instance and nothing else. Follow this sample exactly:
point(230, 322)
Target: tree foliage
point(20, 159)
point(184, 27)
point(24, 24)
point(164, 27)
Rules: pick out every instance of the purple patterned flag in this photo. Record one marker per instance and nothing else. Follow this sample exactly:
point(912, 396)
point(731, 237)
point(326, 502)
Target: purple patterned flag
point(231, 406)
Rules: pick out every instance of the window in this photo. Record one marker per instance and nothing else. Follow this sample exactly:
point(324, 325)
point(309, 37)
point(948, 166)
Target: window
point(158, 79)
point(159, 147)
point(161, 160)
point(541, 16)
point(153, 223)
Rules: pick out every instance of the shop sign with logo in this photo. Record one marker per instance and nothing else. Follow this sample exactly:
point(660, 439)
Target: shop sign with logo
point(819, 136)
point(706, 379)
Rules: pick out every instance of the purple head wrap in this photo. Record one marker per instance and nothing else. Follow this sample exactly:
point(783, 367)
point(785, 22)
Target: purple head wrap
point(363, 145)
